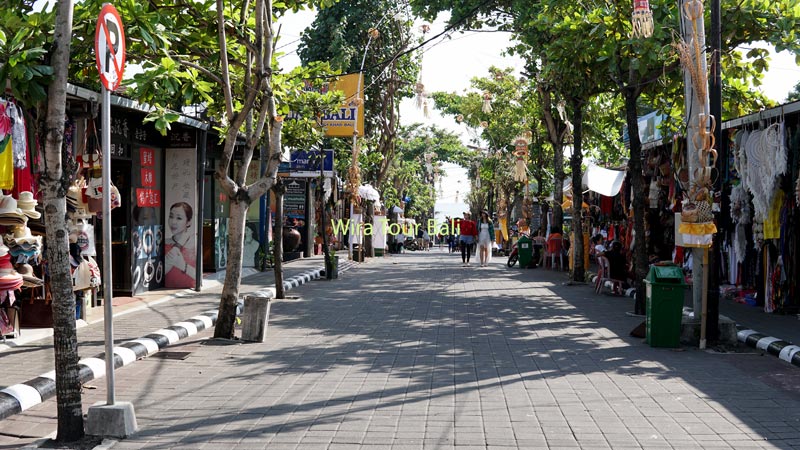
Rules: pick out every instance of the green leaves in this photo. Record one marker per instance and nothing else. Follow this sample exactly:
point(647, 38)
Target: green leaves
point(22, 55)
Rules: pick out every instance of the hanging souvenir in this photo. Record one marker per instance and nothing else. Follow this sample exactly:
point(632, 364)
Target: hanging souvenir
point(521, 155)
point(642, 19)
point(487, 102)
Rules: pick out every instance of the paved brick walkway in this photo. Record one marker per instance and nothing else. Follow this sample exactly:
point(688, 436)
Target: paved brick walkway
point(414, 351)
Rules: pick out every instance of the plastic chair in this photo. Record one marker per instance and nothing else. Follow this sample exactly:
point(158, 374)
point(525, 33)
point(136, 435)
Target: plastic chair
point(604, 276)
point(555, 247)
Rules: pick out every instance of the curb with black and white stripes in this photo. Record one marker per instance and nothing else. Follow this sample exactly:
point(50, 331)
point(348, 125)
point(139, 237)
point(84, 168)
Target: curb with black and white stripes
point(19, 397)
point(772, 345)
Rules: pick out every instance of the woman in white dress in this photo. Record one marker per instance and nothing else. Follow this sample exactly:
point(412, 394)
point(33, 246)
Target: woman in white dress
point(485, 238)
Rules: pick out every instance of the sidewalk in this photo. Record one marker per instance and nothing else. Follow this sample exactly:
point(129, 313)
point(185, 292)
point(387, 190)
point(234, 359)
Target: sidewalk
point(414, 351)
point(31, 358)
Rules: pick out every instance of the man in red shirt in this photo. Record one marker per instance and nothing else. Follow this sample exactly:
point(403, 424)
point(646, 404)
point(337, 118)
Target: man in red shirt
point(468, 233)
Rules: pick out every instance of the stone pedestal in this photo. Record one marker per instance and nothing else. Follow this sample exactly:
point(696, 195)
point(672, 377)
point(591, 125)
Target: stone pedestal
point(255, 317)
point(117, 420)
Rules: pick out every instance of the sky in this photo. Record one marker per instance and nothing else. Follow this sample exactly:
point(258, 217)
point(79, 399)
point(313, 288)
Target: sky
point(449, 65)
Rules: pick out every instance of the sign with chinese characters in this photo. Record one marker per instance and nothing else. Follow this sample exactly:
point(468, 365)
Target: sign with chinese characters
point(147, 198)
point(182, 138)
point(148, 195)
point(180, 249)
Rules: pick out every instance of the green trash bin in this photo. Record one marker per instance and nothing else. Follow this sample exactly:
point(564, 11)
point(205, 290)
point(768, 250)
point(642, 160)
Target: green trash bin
point(525, 251)
point(665, 287)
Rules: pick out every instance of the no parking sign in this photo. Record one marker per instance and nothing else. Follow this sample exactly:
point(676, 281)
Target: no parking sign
point(109, 47)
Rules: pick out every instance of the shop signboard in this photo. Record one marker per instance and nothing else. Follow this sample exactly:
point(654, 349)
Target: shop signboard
point(305, 164)
point(181, 138)
point(147, 196)
point(348, 119)
point(536, 217)
point(294, 202)
point(649, 128)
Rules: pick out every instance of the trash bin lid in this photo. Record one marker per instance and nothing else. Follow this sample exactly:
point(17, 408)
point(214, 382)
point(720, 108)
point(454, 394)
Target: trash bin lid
point(524, 239)
point(665, 274)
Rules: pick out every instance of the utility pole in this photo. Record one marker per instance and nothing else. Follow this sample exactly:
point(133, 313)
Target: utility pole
point(715, 105)
point(693, 33)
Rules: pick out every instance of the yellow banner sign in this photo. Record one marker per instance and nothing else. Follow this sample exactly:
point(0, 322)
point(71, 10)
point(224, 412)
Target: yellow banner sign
point(349, 118)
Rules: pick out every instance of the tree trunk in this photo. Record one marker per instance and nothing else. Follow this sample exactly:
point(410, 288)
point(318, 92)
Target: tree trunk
point(637, 184)
point(226, 318)
point(577, 193)
point(558, 188)
point(279, 190)
point(555, 136)
point(369, 210)
point(54, 182)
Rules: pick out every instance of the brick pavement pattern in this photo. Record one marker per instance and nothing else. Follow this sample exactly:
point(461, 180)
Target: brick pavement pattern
point(414, 352)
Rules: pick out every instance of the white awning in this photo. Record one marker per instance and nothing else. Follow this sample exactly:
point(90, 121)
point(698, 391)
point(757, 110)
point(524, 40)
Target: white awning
point(603, 181)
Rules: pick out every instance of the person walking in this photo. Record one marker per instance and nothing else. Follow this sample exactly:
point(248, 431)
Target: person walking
point(467, 233)
point(485, 238)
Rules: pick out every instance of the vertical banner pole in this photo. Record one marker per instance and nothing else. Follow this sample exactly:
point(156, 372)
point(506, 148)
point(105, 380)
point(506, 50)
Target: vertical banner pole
point(108, 322)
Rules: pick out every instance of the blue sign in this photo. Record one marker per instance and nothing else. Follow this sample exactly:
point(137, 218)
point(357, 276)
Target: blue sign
point(306, 164)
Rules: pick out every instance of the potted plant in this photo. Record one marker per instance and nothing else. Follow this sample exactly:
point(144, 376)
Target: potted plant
point(331, 264)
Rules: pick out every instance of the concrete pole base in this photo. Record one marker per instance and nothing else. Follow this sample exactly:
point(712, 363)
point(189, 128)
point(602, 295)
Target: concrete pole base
point(117, 420)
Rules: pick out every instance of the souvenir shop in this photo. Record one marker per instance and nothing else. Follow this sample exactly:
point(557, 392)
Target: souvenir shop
point(154, 204)
point(609, 197)
point(22, 268)
point(760, 249)
point(758, 208)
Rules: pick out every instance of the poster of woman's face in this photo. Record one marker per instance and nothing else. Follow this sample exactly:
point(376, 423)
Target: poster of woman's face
point(181, 218)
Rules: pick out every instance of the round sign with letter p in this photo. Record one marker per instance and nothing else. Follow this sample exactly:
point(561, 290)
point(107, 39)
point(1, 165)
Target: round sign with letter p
point(109, 47)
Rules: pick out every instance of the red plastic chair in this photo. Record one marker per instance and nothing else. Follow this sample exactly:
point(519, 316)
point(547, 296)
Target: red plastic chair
point(555, 248)
point(604, 276)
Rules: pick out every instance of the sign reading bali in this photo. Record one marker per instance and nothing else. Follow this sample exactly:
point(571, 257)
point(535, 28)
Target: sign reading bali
point(349, 118)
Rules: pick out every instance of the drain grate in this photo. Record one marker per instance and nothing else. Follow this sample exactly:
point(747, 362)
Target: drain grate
point(171, 355)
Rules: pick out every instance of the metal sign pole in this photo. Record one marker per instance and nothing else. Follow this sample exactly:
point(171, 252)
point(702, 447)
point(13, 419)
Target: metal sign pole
point(108, 313)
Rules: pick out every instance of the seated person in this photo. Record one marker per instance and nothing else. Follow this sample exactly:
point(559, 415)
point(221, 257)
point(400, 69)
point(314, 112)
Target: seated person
point(597, 245)
point(617, 263)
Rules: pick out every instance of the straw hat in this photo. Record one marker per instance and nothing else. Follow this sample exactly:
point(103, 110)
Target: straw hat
point(27, 204)
point(22, 235)
point(10, 214)
point(29, 278)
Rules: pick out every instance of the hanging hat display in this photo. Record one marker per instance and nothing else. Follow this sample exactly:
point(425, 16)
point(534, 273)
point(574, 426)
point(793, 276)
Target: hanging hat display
point(642, 20)
point(10, 214)
point(27, 204)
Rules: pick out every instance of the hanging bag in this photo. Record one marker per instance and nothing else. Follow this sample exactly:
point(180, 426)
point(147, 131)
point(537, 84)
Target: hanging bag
point(38, 311)
point(82, 276)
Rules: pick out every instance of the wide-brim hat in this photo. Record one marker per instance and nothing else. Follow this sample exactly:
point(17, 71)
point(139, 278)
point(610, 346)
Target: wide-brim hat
point(27, 203)
point(22, 235)
point(11, 281)
point(29, 278)
point(8, 207)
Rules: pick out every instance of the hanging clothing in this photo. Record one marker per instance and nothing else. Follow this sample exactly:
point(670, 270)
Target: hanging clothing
point(6, 157)
point(606, 205)
point(772, 224)
point(22, 176)
point(18, 139)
